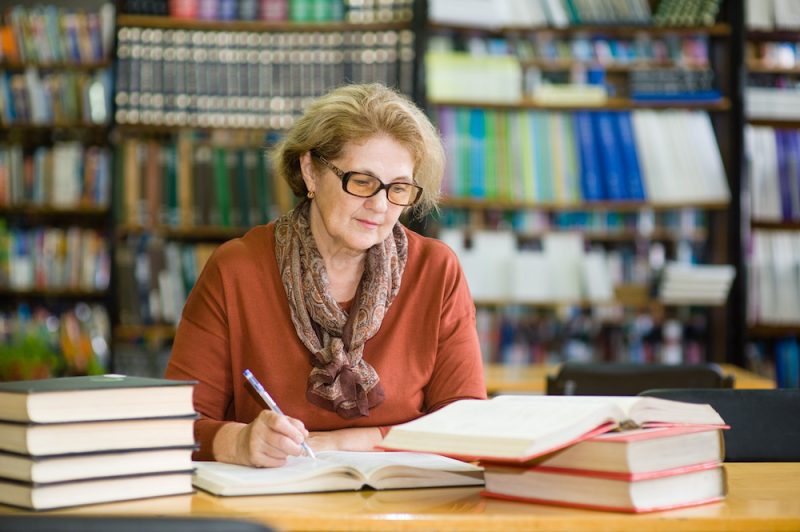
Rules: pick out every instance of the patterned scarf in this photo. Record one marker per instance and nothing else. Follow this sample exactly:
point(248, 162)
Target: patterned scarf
point(340, 379)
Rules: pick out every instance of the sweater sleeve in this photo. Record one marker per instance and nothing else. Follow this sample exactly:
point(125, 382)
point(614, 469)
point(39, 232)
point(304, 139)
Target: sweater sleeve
point(458, 369)
point(200, 352)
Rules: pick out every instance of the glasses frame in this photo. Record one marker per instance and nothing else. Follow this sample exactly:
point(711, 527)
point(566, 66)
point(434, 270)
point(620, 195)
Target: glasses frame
point(345, 177)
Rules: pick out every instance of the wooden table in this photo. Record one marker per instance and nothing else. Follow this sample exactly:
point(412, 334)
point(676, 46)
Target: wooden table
point(762, 496)
point(502, 378)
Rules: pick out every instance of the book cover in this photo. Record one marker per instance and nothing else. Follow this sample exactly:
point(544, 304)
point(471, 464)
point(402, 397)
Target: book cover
point(95, 397)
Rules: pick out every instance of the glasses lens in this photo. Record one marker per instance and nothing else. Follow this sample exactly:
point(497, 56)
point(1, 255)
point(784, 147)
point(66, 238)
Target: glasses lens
point(403, 193)
point(362, 185)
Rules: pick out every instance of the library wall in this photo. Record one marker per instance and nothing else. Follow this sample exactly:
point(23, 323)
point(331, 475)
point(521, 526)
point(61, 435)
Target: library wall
point(592, 187)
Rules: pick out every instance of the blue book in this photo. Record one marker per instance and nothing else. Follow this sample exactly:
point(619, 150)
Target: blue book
point(590, 178)
point(610, 155)
point(630, 159)
point(477, 141)
point(782, 144)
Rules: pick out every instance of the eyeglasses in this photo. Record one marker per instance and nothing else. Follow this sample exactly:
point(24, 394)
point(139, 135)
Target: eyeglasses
point(366, 185)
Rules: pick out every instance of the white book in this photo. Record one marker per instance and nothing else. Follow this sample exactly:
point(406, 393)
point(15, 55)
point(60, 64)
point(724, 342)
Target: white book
point(564, 252)
point(338, 471)
point(759, 15)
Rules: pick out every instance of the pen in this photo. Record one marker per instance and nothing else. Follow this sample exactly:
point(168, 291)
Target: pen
point(272, 404)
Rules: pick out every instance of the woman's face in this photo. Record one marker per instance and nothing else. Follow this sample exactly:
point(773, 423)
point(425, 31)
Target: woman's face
point(343, 222)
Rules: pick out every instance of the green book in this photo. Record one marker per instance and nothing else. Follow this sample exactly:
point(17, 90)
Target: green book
point(94, 398)
point(221, 187)
point(490, 155)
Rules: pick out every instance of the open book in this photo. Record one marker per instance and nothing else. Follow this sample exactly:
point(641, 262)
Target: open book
point(516, 428)
point(338, 471)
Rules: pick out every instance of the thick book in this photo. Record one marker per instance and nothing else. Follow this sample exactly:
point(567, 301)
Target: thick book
point(65, 494)
point(640, 453)
point(95, 436)
point(95, 397)
point(602, 491)
point(517, 428)
point(83, 466)
point(338, 471)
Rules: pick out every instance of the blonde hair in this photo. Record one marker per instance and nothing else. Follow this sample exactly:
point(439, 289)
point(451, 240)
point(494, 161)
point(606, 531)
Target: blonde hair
point(353, 113)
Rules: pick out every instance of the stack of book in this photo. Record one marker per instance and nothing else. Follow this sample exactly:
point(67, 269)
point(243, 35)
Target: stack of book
point(626, 454)
point(83, 440)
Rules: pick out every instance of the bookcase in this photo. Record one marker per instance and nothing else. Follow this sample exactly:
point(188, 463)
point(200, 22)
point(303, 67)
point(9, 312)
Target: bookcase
point(562, 220)
point(770, 199)
point(199, 98)
point(55, 187)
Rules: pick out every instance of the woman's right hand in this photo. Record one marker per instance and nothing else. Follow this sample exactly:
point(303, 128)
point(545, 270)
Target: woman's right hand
point(264, 442)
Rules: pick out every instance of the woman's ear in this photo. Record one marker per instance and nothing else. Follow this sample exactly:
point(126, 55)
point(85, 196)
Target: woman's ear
point(307, 170)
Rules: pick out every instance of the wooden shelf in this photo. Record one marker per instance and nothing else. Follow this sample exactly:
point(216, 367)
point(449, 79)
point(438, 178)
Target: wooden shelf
point(612, 67)
point(773, 331)
point(184, 233)
point(621, 235)
point(775, 123)
point(54, 125)
point(628, 295)
point(54, 211)
point(755, 67)
point(62, 65)
point(615, 206)
point(55, 293)
point(775, 226)
point(723, 104)
point(132, 333)
point(621, 30)
point(776, 35)
point(144, 21)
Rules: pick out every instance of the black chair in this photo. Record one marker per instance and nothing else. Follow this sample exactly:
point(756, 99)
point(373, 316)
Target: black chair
point(620, 378)
point(74, 523)
point(765, 424)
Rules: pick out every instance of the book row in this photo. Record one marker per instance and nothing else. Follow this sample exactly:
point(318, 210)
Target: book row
point(552, 50)
point(37, 342)
point(245, 79)
point(770, 15)
point(778, 102)
point(563, 158)
point(186, 183)
point(773, 171)
point(689, 224)
point(520, 336)
point(51, 98)
point(44, 34)
point(154, 277)
point(773, 282)
point(360, 11)
point(772, 54)
point(54, 258)
point(64, 175)
point(564, 13)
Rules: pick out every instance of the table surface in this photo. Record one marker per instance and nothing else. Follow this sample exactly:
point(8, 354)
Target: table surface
point(761, 496)
point(504, 378)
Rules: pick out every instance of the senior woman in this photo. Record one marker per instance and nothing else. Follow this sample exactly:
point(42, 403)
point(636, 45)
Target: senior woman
point(352, 322)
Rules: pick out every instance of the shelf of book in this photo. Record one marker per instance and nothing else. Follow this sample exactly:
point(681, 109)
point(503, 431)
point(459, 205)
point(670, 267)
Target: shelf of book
point(777, 123)
point(51, 294)
point(717, 30)
point(789, 225)
point(590, 206)
point(618, 104)
point(210, 233)
point(60, 65)
point(54, 211)
point(258, 26)
point(762, 331)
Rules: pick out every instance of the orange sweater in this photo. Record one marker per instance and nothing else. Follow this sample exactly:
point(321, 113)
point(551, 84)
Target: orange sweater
point(237, 317)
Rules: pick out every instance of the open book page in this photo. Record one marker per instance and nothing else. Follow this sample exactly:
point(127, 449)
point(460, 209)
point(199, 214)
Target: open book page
point(513, 427)
point(335, 471)
point(384, 470)
point(635, 411)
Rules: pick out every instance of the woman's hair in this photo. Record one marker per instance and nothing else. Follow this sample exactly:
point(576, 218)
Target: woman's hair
point(354, 113)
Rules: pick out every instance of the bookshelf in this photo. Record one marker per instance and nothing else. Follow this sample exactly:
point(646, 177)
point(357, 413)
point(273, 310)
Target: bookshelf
point(772, 142)
point(198, 103)
point(55, 190)
point(549, 73)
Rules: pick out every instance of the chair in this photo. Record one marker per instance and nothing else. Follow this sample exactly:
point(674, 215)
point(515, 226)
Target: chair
point(765, 424)
point(74, 523)
point(618, 378)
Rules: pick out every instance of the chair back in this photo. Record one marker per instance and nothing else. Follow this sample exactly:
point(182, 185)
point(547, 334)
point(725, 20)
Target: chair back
point(765, 424)
point(620, 378)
